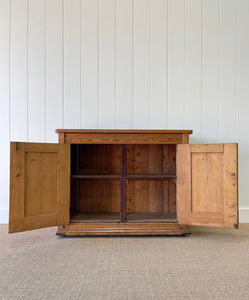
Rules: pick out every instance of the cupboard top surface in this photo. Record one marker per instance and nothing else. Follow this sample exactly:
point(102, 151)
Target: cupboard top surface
point(137, 131)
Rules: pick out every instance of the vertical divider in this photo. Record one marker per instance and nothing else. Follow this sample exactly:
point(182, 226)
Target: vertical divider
point(77, 184)
point(123, 184)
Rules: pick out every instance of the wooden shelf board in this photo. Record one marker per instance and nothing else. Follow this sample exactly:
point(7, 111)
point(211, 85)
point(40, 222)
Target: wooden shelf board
point(97, 176)
point(150, 177)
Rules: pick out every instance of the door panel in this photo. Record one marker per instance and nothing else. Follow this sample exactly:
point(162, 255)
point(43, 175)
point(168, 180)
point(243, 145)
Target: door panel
point(207, 185)
point(39, 185)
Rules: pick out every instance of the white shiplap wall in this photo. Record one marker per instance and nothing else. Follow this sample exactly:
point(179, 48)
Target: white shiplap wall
point(124, 64)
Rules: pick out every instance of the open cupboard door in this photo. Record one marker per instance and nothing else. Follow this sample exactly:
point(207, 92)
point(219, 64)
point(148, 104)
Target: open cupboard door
point(39, 185)
point(207, 185)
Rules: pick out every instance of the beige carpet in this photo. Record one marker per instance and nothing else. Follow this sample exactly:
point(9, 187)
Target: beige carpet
point(209, 264)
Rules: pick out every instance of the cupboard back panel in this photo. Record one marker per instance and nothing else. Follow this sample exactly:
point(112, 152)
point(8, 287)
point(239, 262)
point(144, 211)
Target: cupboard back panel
point(95, 159)
point(99, 196)
point(151, 196)
point(159, 159)
point(95, 196)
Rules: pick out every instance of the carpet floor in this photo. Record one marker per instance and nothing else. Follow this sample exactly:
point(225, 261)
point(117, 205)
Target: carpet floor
point(210, 264)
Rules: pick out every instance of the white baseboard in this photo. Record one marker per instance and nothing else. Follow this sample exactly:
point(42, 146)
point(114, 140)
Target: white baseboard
point(243, 215)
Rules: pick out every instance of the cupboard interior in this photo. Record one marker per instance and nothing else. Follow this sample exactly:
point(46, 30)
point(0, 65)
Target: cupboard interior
point(150, 178)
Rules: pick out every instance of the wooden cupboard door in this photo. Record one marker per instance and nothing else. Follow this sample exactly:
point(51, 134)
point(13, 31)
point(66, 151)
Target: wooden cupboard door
point(39, 185)
point(207, 185)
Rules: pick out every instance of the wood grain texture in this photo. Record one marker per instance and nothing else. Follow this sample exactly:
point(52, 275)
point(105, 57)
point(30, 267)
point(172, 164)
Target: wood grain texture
point(99, 178)
point(231, 185)
point(129, 138)
point(63, 184)
point(122, 229)
point(39, 186)
point(207, 148)
point(155, 187)
point(140, 131)
point(99, 196)
point(141, 187)
point(171, 169)
point(115, 218)
point(131, 184)
point(207, 182)
point(207, 186)
point(17, 189)
point(123, 184)
point(160, 168)
point(183, 173)
point(61, 138)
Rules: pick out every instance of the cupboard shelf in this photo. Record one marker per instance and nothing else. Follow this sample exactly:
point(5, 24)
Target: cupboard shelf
point(97, 176)
point(129, 176)
point(150, 177)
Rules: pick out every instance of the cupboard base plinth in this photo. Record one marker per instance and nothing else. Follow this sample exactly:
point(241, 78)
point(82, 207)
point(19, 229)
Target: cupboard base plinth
point(122, 229)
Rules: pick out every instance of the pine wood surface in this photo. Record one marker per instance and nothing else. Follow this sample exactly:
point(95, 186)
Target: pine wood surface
point(129, 138)
point(123, 131)
point(148, 167)
point(39, 185)
point(137, 182)
point(207, 185)
point(79, 229)
point(115, 218)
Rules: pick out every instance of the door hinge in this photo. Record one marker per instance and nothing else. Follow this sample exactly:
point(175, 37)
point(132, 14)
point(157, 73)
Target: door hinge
point(16, 146)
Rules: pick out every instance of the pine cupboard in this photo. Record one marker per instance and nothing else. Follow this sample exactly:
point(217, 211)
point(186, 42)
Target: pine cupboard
point(123, 182)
